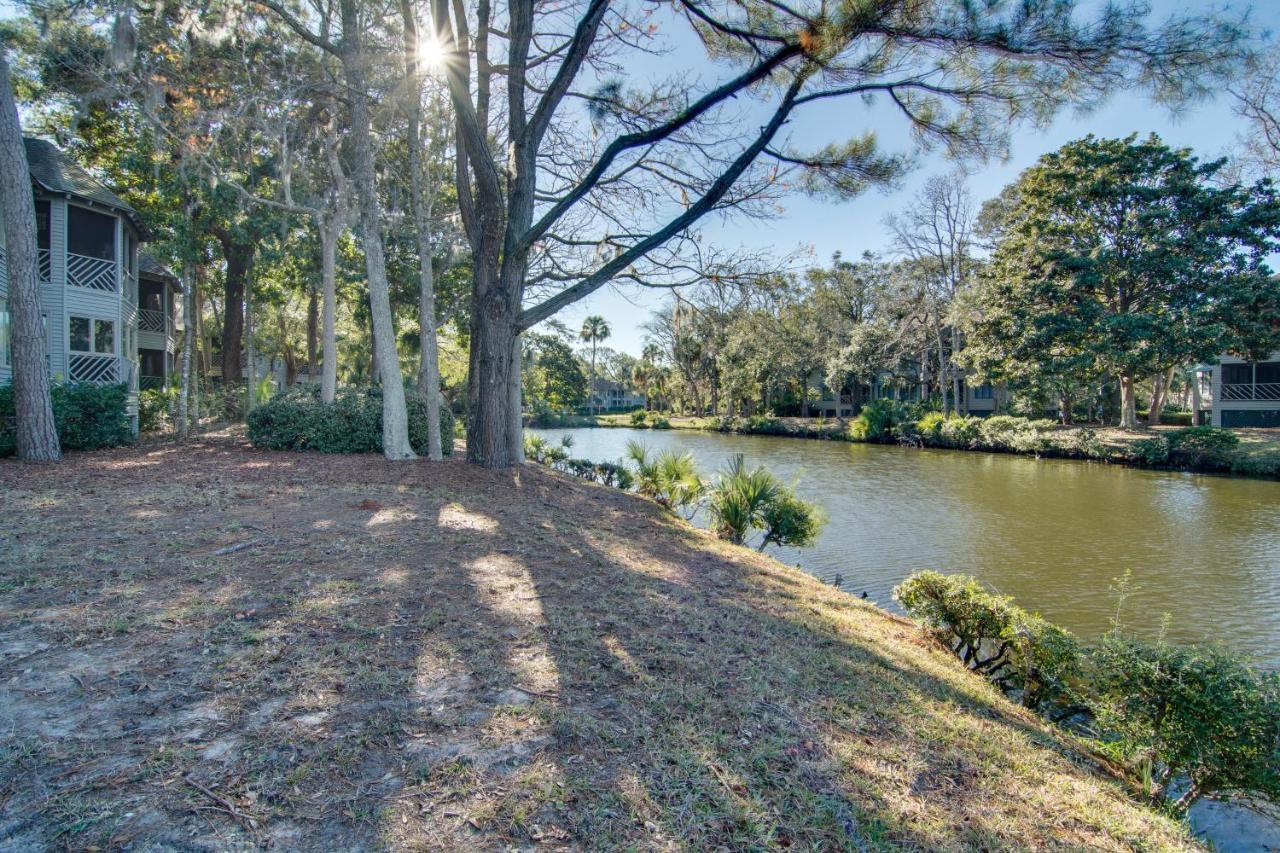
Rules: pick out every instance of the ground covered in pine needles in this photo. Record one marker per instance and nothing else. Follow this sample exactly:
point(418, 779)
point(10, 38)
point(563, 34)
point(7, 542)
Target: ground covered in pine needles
point(209, 647)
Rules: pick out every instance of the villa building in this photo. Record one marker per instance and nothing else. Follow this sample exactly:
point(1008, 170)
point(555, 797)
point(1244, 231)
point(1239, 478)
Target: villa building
point(1243, 393)
point(109, 309)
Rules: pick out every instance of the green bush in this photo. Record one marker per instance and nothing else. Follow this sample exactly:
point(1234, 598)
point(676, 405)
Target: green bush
point(875, 422)
point(671, 479)
point(1191, 721)
point(352, 423)
point(1203, 447)
point(659, 422)
point(1017, 651)
point(638, 418)
point(929, 427)
point(155, 409)
point(744, 501)
point(1195, 716)
point(1150, 451)
point(86, 416)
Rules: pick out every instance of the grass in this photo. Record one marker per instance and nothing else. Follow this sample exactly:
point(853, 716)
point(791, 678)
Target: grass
point(433, 656)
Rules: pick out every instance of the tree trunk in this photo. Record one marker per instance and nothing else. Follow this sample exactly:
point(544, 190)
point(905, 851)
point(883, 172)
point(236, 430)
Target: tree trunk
point(329, 229)
point(429, 361)
point(1066, 404)
point(239, 258)
point(37, 434)
point(1128, 406)
point(395, 421)
point(188, 345)
point(251, 381)
point(1159, 395)
point(494, 385)
point(313, 332)
point(955, 374)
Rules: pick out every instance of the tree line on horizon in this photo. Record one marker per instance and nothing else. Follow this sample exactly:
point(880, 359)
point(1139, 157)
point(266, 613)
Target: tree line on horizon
point(348, 177)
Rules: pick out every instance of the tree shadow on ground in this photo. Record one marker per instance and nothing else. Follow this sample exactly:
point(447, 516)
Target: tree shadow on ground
point(439, 656)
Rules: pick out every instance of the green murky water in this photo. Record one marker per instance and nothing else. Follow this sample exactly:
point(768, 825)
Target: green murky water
point(1204, 550)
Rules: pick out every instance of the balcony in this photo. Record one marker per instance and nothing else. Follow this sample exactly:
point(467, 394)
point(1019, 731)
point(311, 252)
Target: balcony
point(92, 273)
point(1251, 391)
point(96, 369)
point(151, 320)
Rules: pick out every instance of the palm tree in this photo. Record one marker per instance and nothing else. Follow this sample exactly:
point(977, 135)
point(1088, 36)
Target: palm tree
point(594, 329)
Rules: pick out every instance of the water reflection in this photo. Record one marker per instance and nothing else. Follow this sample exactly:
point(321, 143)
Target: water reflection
point(1205, 550)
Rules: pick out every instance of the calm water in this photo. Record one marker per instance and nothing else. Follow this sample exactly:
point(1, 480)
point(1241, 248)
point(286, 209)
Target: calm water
point(1053, 534)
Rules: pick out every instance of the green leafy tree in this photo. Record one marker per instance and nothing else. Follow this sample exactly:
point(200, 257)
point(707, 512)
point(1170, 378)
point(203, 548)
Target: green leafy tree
point(553, 377)
point(1125, 258)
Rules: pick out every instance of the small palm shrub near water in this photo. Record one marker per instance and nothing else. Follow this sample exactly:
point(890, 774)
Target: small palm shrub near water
point(1190, 722)
point(745, 501)
point(670, 478)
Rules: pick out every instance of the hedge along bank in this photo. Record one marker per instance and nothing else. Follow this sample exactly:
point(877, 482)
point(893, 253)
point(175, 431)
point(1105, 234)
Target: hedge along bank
point(352, 423)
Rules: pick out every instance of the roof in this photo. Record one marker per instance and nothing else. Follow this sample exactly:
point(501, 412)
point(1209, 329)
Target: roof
point(150, 267)
point(57, 173)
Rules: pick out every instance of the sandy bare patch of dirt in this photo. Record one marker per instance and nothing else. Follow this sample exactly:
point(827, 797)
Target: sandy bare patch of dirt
point(213, 648)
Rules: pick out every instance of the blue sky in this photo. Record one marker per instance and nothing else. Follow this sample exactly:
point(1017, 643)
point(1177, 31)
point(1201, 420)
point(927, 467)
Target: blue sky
point(1209, 128)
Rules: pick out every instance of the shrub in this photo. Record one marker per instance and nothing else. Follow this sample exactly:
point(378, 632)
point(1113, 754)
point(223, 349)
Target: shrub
point(875, 422)
point(86, 416)
point(959, 431)
point(1151, 451)
point(789, 520)
point(1203, 447)
point(637, 418)
point(660, 422)
point(604, 473)
point(744, 501)
point(930, 427)
point(155, 409)
point(739, 498)
point(1016, 650)
point(352, 423)
point(1195, 716)
point(671, 479)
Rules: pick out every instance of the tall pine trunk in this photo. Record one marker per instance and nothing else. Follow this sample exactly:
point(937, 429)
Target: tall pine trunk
point(395, 421)
point(37, 438)
point(429, 364)
point(329, 227)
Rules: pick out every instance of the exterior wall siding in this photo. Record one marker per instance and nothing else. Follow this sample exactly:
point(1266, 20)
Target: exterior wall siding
point(1220, 405)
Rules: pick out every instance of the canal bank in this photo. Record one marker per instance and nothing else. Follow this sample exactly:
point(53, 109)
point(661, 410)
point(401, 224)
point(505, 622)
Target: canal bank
point(1256, 452)
point(1055, 535)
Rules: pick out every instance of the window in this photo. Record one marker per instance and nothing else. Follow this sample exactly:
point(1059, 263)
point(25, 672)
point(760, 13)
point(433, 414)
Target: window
point(42, 225)
point(152, 362)
point(88, 335)
point(90, 233)
point(1237, 374)
point(1268, 371)
point(983, 392)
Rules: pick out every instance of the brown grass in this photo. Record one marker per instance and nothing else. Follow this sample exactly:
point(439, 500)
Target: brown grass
point(432, 656)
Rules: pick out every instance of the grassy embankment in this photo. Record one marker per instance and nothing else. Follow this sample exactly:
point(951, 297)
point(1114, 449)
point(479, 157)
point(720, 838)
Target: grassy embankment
point(212, 646)
point(1257, 454)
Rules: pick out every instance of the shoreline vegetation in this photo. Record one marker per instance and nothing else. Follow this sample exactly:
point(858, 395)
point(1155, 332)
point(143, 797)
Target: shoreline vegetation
point(1245, 452)
point(487, 658)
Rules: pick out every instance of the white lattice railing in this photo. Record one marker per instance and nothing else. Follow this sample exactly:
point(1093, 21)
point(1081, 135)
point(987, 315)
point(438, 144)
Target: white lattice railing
point(92, 367)
point(150, 320)
point(1251, 391)
point(93, 273)
point(44, 265)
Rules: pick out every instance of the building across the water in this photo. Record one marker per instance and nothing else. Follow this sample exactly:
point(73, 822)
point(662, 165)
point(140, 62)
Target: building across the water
point(109, 309)
point(1242, 393)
